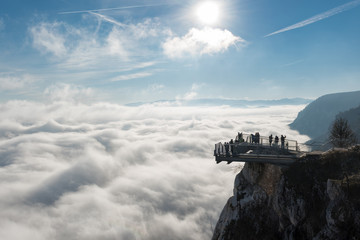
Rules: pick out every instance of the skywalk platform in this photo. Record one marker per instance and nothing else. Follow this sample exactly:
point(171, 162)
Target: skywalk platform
point(247, 149)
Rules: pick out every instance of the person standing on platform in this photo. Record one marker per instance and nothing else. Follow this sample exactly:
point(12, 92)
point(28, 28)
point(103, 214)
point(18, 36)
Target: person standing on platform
point(282, 141)
point(270, 139)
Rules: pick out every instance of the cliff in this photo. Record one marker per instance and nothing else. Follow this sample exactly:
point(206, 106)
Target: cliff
point(315, 198)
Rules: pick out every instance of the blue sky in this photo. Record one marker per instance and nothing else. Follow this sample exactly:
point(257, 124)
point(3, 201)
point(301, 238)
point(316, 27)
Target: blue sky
point(152, 50)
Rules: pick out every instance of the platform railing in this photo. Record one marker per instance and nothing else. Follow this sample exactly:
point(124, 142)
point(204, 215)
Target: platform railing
point(250, 140)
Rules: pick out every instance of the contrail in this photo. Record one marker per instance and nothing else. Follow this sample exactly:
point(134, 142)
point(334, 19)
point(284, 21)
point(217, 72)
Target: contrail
point(107, 19)
point(319, 17)
point(110, 9)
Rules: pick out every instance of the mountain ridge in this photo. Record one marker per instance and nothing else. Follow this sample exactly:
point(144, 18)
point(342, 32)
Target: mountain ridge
point(229, 102)
point(314, 120)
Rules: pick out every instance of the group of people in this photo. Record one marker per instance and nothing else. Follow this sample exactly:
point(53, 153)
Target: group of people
point(255, 138)
point(228, 148)
point(276, 142)
point(238, 139)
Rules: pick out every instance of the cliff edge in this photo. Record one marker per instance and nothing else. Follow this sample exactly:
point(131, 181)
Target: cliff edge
point(315, 198)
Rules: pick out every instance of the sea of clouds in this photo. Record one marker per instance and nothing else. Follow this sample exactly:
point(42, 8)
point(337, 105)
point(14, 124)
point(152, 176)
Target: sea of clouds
point(107, 171)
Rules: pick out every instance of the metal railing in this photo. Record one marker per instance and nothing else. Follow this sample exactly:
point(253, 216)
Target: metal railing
point(255, 140)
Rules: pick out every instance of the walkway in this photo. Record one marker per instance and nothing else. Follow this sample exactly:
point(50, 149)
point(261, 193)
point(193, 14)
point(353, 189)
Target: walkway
point(248, 148)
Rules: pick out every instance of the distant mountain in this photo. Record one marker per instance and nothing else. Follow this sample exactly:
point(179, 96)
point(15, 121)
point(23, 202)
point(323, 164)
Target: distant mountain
point(316, 118)
point(352, 116)
point(228, 102)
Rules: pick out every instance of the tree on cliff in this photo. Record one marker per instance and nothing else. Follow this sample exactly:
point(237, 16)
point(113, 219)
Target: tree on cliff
point(341, 134)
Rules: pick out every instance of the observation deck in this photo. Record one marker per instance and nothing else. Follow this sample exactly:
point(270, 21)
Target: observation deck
point(255, 148)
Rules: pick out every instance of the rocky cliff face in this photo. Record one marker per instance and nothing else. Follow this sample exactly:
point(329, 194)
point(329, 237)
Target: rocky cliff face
point(317, 198)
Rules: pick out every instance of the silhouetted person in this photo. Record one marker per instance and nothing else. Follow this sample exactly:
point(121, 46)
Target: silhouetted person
point(282, 141)
point(231, 141)
point(241, 139)
point(227, 149)
point(276, 140)
point(257, 137)
point(270, 139)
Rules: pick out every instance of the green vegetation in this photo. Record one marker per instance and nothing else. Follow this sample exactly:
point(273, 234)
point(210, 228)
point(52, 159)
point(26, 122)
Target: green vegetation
point(341, 134)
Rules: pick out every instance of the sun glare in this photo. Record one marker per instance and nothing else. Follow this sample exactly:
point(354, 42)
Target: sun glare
point(208, 12)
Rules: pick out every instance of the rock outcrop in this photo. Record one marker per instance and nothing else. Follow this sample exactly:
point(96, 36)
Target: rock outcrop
point(316, 198)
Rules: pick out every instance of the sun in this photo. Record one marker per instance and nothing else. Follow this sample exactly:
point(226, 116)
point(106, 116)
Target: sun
point(208, 12)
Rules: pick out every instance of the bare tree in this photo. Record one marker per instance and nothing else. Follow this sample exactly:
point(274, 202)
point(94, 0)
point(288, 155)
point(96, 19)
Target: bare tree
point(341, 134)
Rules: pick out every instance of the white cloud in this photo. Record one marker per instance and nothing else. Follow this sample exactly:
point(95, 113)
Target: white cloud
point(115, 44)
point(156, 87)
point(125, 51)
point(147, 28)
point(105, 171)
point(150, 28)
point(102, 54)
point(14, 81)
point(152, 90)
point(131, 76)
point(48, 38)
point(69, 93)
point(199, 42)
point(192, 94)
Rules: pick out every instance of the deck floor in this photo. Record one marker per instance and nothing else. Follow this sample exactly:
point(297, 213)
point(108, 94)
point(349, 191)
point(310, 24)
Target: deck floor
point(282, 160)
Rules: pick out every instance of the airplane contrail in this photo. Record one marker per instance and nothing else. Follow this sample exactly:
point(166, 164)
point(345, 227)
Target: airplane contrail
point(110, 9)
point(319, 17)
point(107, 19)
